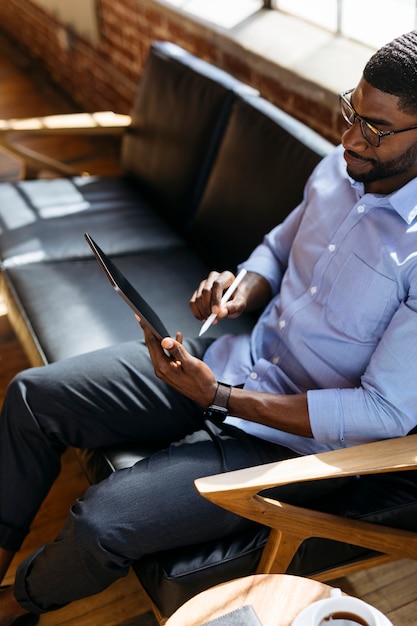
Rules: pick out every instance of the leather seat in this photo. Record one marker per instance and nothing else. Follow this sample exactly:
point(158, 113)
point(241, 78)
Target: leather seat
point(170, 578)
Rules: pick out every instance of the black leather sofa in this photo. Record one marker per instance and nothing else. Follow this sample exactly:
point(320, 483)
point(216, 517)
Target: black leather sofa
point(210, 166)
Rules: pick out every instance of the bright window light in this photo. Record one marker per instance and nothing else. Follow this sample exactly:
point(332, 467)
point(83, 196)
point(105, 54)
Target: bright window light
point(320, 12)
point(225, 13)
point(374, 22)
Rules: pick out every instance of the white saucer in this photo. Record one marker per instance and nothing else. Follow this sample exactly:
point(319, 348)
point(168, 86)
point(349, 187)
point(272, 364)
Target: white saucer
point(304, 618)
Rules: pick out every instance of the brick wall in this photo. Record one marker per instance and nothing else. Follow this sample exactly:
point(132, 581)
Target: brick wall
point(105, 75)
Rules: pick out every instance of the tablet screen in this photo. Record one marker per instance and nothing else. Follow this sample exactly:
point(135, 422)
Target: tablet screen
point(126, 290)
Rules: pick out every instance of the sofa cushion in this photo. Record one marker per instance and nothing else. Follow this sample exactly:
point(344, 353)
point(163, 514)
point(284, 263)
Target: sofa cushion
point(44, 220)
point(388, 499)
point(178, 118)
point(258, 177)
point(171, 578)
point(70, 308)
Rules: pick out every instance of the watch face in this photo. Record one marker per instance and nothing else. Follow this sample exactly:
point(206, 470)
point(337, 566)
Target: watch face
point(218, 409)
point(218, 413)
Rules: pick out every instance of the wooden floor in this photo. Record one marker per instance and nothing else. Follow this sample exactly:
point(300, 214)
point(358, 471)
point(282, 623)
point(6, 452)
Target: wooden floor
point(25, 91)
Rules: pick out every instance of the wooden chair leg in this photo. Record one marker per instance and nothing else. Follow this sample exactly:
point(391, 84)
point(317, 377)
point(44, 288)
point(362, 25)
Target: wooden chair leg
point(278, 553)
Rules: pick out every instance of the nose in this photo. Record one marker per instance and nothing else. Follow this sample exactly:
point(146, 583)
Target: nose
point(352, 138)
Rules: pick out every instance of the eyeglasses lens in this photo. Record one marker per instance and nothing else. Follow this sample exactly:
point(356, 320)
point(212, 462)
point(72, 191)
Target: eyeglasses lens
point(347, 112)
point(350, 116)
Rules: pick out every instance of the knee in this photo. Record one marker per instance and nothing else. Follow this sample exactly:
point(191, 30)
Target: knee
point(87, 519)
point(16, 403)
point(17, 384)
point(110, 524)
point(26, 406)
point(19, 387)
point(95, 523)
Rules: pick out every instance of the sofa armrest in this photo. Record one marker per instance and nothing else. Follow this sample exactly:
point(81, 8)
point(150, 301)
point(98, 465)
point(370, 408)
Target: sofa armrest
point(98, 123)
point(239, 491)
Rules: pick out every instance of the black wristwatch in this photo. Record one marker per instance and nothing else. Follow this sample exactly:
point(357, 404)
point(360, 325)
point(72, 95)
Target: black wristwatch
point(219, 408)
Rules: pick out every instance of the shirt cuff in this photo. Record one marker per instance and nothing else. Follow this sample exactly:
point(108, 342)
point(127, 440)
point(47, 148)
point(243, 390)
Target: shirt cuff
point(326, 415)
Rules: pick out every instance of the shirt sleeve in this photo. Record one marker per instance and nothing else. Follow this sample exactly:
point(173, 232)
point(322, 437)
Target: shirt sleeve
point(270, 258)
point(384, 406)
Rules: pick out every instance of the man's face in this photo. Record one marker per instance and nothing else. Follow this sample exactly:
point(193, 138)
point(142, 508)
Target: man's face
point(393, 163)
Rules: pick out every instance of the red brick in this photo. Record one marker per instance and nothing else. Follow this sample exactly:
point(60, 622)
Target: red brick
point(105, 74)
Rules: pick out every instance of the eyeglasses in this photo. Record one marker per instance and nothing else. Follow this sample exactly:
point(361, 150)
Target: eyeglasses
point(371, 134)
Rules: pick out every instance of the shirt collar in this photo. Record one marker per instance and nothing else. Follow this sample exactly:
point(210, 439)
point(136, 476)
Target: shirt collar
point(403, 200)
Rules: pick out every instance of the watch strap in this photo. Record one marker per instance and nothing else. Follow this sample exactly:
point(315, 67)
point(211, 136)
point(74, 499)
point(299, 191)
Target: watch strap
point(222, 395)
point(219, 407)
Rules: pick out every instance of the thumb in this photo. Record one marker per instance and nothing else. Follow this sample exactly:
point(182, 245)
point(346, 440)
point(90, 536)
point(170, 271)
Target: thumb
point(174, 348)
point(168, 343)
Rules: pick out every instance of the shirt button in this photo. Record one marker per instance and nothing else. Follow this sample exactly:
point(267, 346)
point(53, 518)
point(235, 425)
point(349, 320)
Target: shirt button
point(253, 375)
point(361, 208)
point(313, 290)
point(331, 248)
point(412, 214)
point(275, 360)
point(282, 324)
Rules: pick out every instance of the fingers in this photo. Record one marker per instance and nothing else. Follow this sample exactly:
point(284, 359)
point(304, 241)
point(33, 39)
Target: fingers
point(184, 372)
point(165, 352)
point(174, 348)
point(206, 298)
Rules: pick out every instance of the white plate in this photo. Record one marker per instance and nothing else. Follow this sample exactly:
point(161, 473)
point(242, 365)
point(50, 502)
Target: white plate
point(306, 616)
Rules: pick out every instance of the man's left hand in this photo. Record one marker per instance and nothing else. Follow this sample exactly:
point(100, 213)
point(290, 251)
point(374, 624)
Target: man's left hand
point(182, 371)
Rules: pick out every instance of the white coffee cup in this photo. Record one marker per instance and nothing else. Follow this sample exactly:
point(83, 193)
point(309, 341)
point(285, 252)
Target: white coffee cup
point(340, 610)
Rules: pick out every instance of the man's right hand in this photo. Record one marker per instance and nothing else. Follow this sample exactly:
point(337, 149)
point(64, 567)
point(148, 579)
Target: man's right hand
point(206, 298)
point(252, 294)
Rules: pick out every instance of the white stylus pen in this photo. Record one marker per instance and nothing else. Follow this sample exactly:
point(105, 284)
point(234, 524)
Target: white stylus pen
point(226, 297)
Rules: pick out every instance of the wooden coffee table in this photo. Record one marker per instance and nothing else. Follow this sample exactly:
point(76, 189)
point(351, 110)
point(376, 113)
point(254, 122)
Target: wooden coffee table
point(276, 598)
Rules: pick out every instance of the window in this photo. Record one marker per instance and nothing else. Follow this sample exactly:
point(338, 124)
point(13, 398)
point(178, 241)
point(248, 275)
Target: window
point(225, 13)
point(368, 21)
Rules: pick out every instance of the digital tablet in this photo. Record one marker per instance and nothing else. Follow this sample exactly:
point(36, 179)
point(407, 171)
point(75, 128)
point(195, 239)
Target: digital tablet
point(126, 291)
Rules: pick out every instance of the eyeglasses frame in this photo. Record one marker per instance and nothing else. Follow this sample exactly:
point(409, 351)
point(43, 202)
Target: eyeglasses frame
point(378, 133)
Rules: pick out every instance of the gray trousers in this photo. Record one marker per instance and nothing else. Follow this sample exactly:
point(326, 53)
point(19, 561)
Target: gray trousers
point(104, 398)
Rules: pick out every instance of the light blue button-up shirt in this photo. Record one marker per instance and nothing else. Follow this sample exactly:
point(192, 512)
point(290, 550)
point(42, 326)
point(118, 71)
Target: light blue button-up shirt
point(342, 323)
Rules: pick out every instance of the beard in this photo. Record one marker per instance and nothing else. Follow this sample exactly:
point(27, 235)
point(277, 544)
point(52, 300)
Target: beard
point(387, 169)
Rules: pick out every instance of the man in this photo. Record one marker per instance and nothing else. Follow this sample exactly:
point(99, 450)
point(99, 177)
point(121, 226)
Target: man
point(330, 363)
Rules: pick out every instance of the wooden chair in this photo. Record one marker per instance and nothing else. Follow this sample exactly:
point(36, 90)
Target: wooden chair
point(32, 163)
point(239, 492)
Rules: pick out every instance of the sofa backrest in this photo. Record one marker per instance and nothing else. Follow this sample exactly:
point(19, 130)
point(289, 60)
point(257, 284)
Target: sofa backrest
point(258, 177)
point(178, 118)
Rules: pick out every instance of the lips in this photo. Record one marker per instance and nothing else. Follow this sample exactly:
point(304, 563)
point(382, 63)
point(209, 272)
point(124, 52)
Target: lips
point(354, 159)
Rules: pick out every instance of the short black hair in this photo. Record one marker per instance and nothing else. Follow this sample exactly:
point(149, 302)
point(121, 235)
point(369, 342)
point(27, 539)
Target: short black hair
point(393, 69)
